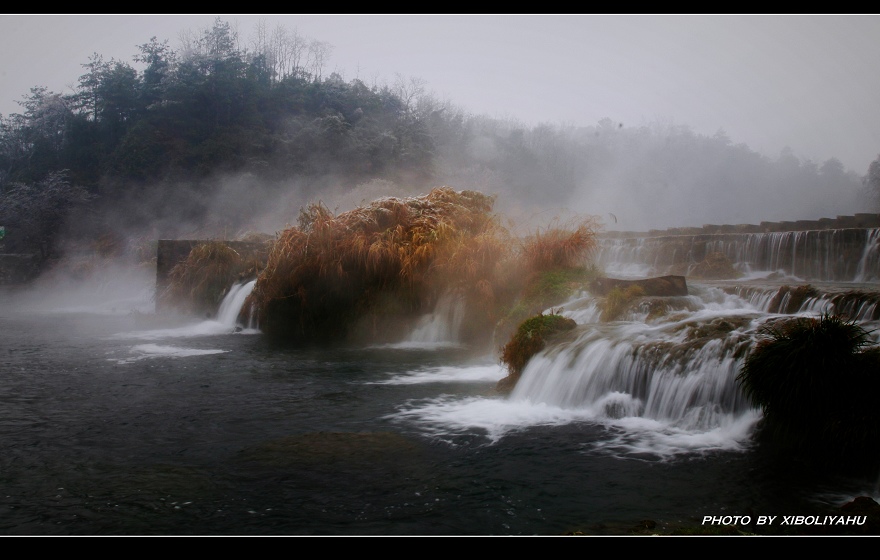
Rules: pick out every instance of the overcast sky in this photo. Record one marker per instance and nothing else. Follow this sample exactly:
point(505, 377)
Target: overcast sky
point(809, 82)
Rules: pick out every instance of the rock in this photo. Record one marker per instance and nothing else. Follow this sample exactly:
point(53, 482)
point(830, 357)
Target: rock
point(531, 337)
point(716, 266)
point(658, 286)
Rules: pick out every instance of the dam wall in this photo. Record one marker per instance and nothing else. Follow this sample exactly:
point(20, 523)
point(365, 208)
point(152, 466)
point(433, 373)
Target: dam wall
point(843, 249)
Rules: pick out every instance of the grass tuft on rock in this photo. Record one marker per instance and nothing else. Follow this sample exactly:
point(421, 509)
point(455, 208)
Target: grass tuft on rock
point(530, 338)
point(817, 381)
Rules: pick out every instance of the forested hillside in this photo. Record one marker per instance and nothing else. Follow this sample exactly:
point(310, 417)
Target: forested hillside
point(224, 134)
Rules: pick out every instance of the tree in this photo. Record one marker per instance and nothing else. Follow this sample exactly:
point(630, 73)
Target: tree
point(32, 143)
point(283, 50)
point(35, 214)
point(872, 182)
point(319, 53)
point(160, 59)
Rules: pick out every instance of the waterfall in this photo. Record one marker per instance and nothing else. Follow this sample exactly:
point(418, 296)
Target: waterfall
point(443, 324)
point(663, 385)
point(666, 383)
point(661, 379)
point(670, 372)
point(225, 323)
point(230, 307)
point(834, 255)
point(659, 387)
point(856, 305)
point(869, 265)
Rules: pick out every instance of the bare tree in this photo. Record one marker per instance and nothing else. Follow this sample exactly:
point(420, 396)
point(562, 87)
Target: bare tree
point(297, 46)
point(284, 50)
point(189, 44)
point(259, 41)
point(410, 91)
point(319, 54)
point(872, 182)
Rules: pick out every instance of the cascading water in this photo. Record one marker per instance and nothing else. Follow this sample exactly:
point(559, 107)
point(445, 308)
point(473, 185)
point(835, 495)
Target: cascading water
point(661, 378)
point(834, 255)
point(226, 322)
point(230, 307)
point(439, 328)
point(858, 305)
point(869, 265)
point(660, 385)
point(442, 324)
point(663, 386)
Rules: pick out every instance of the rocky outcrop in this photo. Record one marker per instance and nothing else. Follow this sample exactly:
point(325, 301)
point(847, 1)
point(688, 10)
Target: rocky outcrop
point(716, 266)
point(657, 286)
point(530, 338)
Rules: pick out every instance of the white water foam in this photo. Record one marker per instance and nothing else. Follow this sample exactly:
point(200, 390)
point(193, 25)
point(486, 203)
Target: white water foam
point(447, 374)
point(230, 307)
point(447, 416)
point(624, 377)
point(435, 330)
point(225, 323)
point(146, 351)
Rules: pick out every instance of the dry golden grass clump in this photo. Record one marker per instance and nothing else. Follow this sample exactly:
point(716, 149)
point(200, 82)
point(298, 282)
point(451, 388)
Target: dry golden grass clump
point(391, 258)
point(199, 283)
point(369, 272)
point(562, 247)
point(551, 265)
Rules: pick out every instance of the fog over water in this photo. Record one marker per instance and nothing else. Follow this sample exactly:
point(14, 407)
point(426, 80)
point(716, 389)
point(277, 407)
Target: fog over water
point(125, 423)
point(124, 420)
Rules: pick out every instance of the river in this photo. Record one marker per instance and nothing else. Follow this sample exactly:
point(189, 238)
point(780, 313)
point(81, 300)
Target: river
point(119, 421)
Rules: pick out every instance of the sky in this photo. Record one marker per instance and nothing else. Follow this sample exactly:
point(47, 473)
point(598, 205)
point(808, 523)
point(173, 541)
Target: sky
point(806, 82)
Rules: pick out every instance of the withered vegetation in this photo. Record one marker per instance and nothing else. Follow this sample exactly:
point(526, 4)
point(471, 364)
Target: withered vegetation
point(199, 283)
point(369, 272)
point(530, 338)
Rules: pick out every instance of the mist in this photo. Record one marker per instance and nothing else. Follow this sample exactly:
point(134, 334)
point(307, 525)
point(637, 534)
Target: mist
point(223, 167)
point(343, 368)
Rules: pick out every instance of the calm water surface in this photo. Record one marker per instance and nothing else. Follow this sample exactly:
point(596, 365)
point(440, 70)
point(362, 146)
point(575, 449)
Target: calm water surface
point(114, 421)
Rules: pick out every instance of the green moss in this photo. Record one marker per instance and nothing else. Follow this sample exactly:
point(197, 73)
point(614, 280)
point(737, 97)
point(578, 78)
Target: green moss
point(542, 291)
point(529, 339)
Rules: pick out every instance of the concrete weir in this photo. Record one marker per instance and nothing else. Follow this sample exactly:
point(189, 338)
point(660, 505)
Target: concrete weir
point(844, 249)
